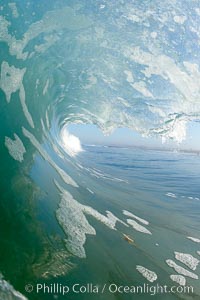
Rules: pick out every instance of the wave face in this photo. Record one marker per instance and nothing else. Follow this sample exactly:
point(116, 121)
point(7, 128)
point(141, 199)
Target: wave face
point(113, 64)
point(128, 64)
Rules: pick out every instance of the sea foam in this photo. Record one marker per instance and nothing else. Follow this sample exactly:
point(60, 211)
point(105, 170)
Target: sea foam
point(187, 259)
point(138, 227)
point(7, 291)
point(72, 219)
point(181, 270)
point(172, 195)
point(71, 216)
point(65, 18)
point(11, 82)
point(149, 275)
point(15, 147)
point(109, 220)
point(179, 279)
point(14, 10)
point(22, 97)
point(194, 239)
point(11, 79)
point(129, 214)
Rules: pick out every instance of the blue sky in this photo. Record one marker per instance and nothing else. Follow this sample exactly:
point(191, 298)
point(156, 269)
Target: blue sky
point(90, 134)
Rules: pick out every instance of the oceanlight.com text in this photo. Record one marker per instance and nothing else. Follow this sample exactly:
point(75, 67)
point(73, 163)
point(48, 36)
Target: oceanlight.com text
point(112, 288)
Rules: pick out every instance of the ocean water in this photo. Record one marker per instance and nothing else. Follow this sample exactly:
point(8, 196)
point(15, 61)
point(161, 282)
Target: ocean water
point(161, 188)
point(84, 214)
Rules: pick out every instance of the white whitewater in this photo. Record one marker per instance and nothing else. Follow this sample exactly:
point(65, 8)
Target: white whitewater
point(71, 216)
point(187, 259)
point(15, 147)
point(178, 279)
point(146, 273)
point(181, 270)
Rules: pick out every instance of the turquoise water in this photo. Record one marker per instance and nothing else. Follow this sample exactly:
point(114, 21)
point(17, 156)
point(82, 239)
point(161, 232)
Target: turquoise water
point(136, 180)
point(104, 215)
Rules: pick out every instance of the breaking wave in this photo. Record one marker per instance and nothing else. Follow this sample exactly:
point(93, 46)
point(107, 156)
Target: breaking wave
point(127, 64)
point(71, 64)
